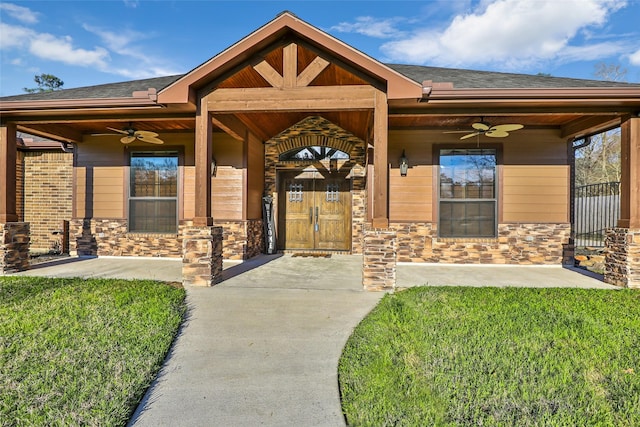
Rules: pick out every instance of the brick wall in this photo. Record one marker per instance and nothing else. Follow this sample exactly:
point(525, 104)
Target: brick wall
point(46, 178)
point(19, 185)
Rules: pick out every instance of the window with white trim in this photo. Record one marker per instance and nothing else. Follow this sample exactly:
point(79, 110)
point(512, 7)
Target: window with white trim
point(153, 192)
point(467, 192)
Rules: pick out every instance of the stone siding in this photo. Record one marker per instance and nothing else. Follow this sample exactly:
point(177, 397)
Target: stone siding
point(242, 239)
point(14, 247)
point(110, 237)
point(47, 196)
point(622, 257)
point(379, 259)
point(516, 244)
point(202, 261)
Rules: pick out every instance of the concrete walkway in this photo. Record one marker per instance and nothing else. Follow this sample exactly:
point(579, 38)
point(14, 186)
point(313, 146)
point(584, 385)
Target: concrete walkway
point(262, 347)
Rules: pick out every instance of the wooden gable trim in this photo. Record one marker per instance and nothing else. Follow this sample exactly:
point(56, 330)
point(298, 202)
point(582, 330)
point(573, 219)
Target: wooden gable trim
point(182, 90)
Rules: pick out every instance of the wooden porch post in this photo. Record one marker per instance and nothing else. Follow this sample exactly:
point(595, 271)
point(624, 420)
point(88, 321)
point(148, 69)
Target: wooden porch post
point(630, 177)
point(203, 156)
point(380, 161)
point(8, 153)
point(622, 259)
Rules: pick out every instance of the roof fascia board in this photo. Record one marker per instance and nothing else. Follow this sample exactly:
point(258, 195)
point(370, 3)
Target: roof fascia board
point(533, 93)
point(61, 104)
point(181, 91)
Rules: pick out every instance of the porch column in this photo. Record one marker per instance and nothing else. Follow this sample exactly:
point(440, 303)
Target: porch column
point(8, 154)
point(14, 236)
point(203, 156)
point(622, 261)
point(380, 162)
point(202, 242)
point(379, 241)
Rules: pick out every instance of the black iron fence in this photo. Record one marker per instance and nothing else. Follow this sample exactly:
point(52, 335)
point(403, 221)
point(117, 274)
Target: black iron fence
point(597, 207)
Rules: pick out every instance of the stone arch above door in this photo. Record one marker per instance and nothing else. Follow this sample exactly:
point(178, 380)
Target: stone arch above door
point(312, 131)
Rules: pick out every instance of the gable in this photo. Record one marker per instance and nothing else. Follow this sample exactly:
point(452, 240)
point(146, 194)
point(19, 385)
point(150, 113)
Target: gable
point(265, 43)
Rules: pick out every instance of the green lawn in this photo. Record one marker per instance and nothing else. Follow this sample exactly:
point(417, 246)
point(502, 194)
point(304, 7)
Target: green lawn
point(81, 352)
point(495, 357)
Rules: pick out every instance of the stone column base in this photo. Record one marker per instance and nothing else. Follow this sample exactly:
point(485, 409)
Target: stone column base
point(201, 255)
point(14, 247)
point(622, 259)
point(379, 259)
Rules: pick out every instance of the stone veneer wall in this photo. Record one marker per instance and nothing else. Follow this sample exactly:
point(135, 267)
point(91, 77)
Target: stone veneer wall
point(47, 196)
point(379, 259)
point(242, 239)
point(202, 260)
point(110, 237)
point(14, 247)
point(622, 258)
point(515, 244)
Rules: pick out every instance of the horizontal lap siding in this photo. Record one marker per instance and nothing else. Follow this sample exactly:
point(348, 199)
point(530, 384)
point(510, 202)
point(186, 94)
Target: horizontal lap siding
point(535, 179)
point(534, 182)
point(228, 183)
point(410, 197)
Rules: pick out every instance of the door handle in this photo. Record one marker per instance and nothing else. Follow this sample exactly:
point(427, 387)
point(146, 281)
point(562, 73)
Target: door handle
point(310, 215)
point(316, 226)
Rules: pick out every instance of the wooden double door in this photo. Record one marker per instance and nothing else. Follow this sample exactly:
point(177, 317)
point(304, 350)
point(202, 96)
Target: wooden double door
point(314, 212)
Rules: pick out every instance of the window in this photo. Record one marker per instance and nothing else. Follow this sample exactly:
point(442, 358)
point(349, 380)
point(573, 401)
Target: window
point(153, 192)
point(313, 153)
point(467, 193)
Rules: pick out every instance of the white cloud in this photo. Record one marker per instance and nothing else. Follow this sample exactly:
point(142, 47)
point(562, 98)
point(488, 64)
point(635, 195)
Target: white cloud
point(22, 14)
point(634, 58)
point(49, 47)
point(131, 3)
point(372, 27)
point(511, 33)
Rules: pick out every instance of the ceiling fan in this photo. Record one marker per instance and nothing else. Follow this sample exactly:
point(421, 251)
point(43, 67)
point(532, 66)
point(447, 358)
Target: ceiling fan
point(484, 128)
point(131, 134)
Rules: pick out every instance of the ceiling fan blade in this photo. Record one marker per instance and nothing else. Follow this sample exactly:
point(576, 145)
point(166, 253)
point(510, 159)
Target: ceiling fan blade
point(145, 134)
point(457, 131)
point(480, 126)
point(127, 139)
point(506, 128)
point(124, 132)
point(471, 135)
point(150, 139)
point(496, 133)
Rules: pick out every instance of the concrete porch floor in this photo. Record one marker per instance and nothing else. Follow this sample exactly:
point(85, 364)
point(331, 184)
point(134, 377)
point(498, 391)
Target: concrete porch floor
point(323, 273)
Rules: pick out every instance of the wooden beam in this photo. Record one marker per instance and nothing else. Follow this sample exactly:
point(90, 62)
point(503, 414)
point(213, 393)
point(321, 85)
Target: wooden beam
point(231, 125)
point(55, 131)
point(203, 155)
point(380, 162)
point(310, 98)
point(630, 177)
point(312, 71)
point(269, 74)
point(290, 65)
point(588, 125)
point(8, 154)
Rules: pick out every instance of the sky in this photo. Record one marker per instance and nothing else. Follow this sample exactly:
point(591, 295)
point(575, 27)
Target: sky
point(89, 42)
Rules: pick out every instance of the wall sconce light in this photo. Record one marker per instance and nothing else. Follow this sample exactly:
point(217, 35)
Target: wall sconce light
point(214, 166)
point(404, 164)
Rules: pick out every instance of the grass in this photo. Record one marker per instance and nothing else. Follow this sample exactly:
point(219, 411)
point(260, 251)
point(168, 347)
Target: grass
point(495, 357)
point(81, 352)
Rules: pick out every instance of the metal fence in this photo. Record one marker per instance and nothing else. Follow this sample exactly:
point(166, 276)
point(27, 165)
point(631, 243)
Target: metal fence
point(597, 207)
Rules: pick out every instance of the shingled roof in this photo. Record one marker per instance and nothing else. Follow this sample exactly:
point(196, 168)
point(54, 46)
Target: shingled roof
point(461, 79)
